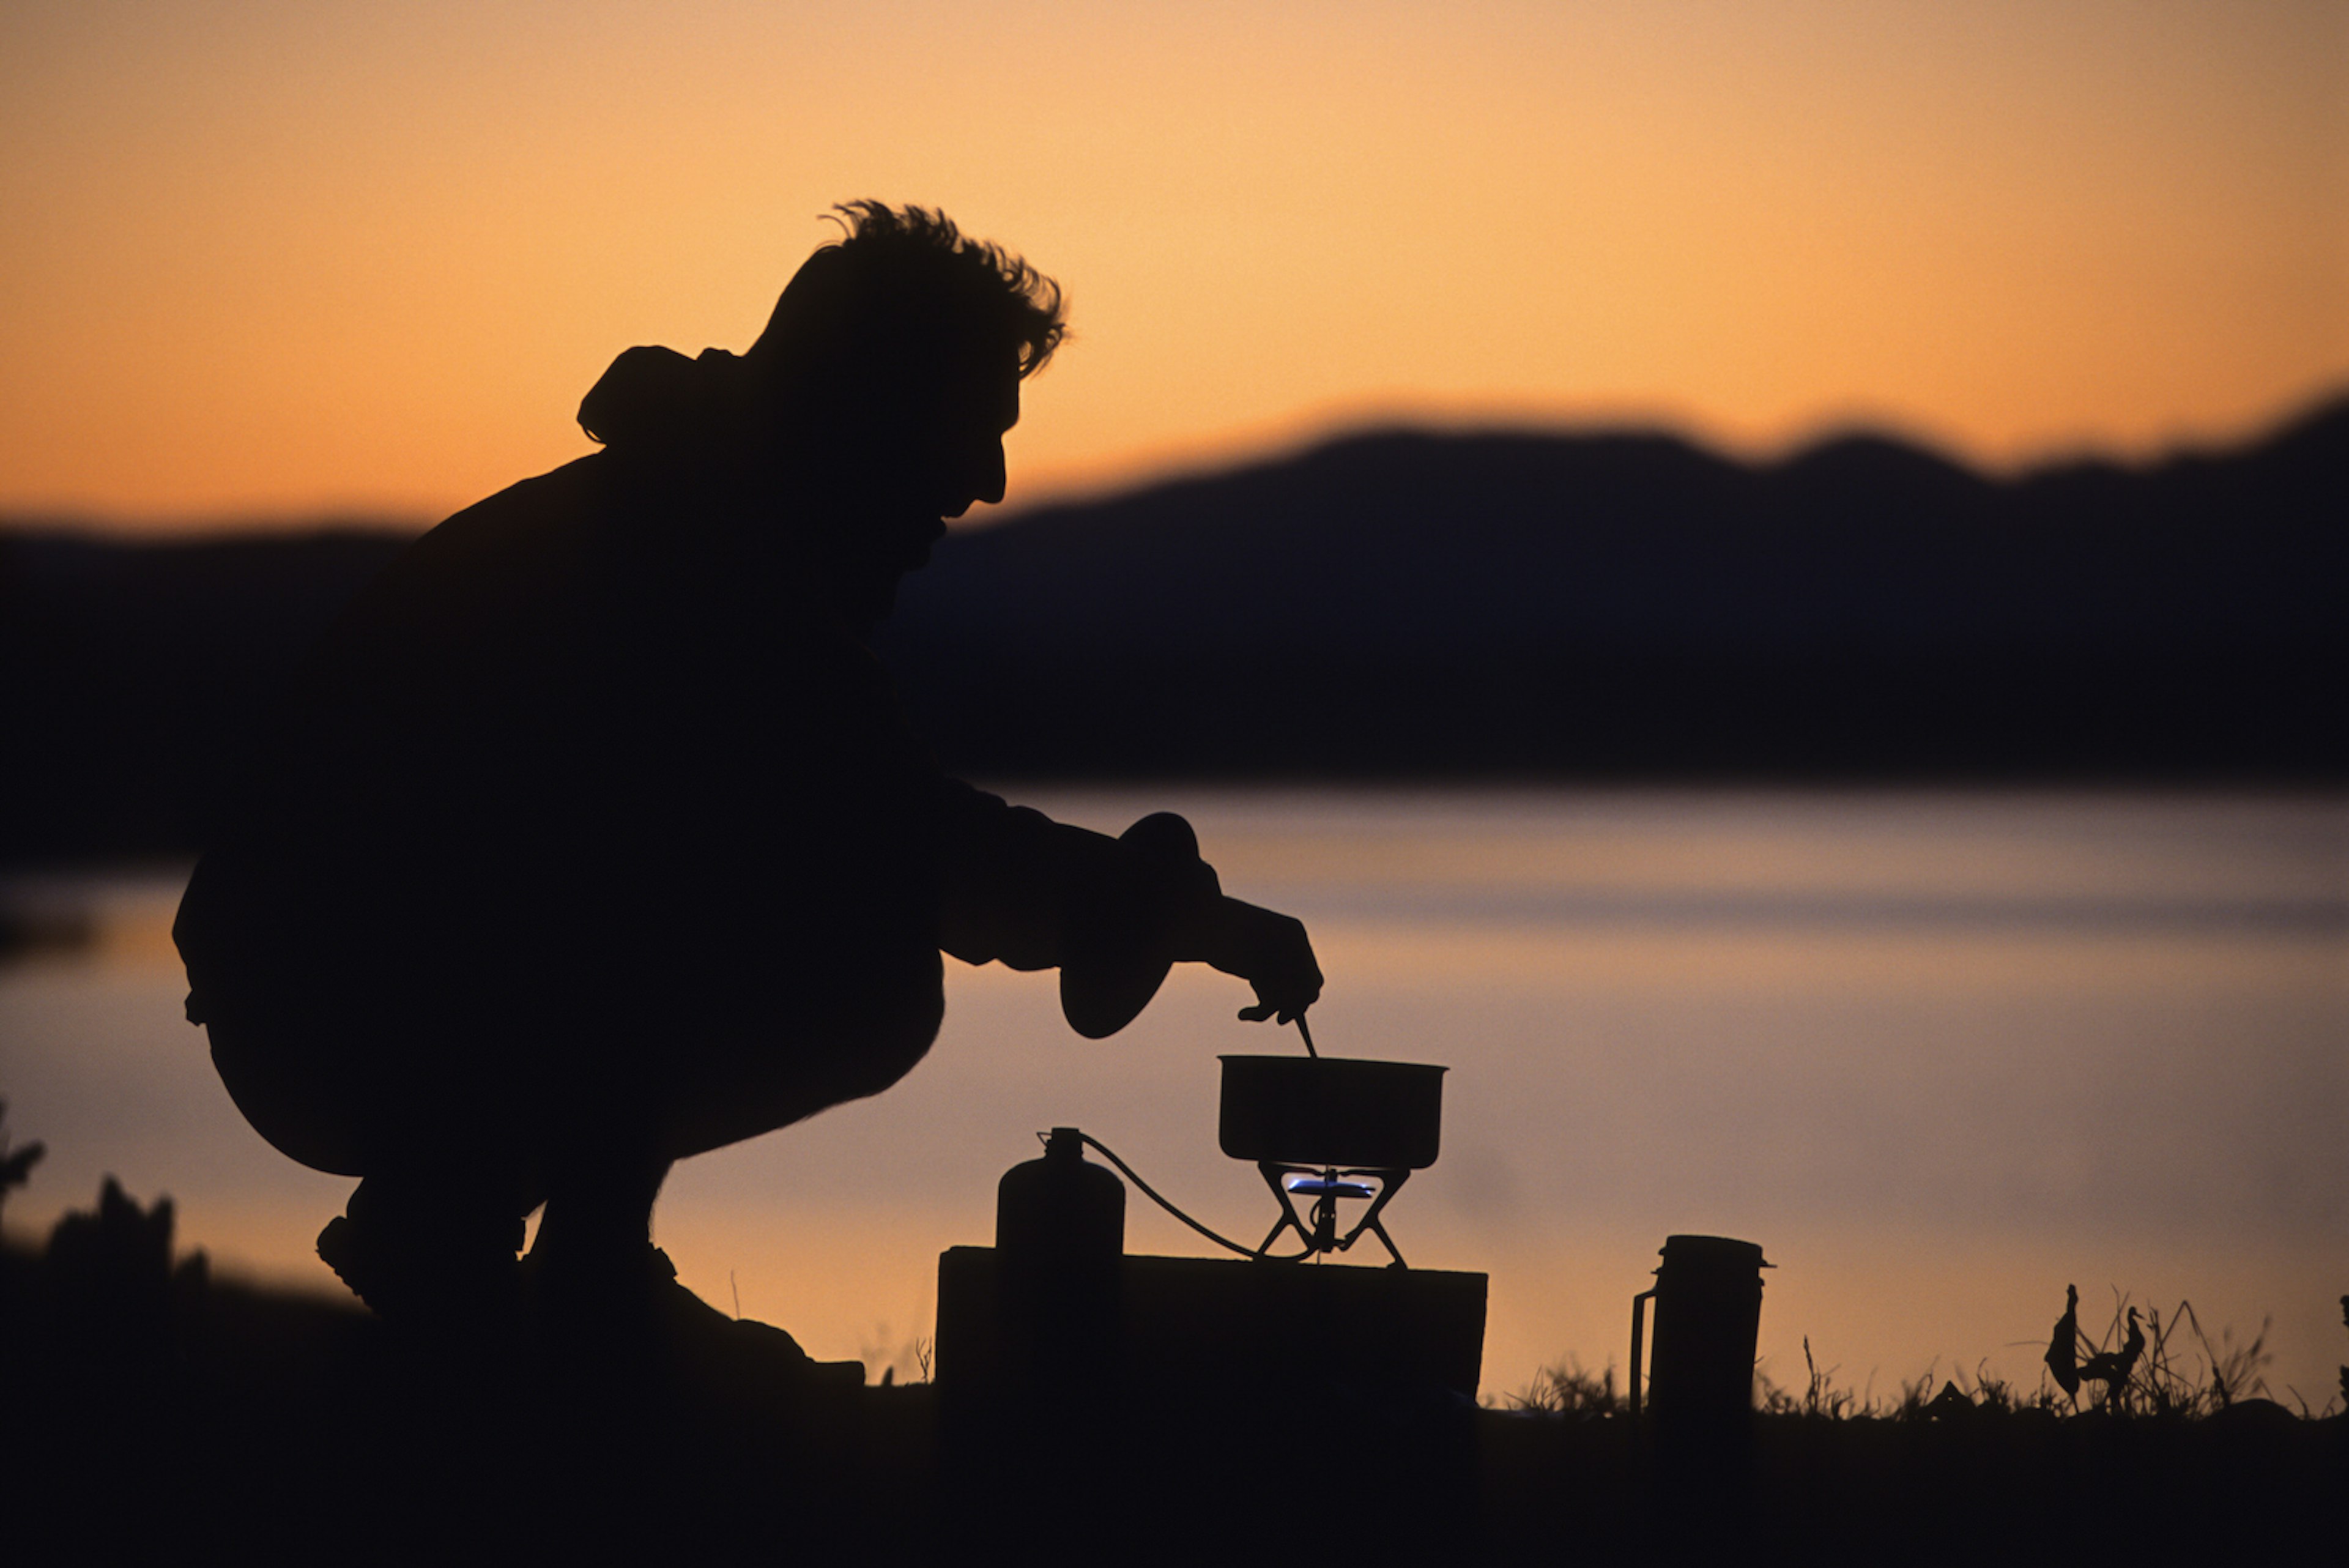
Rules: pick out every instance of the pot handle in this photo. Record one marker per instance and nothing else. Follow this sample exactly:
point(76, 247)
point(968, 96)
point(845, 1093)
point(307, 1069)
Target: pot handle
point(1639, 1343)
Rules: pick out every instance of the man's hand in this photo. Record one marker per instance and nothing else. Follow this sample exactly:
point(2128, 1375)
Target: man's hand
point(1269, 950)
point(1150, 901)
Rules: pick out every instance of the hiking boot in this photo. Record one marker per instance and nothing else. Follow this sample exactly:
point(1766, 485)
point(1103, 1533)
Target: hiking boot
point(414, 1272)
point(617, 1310)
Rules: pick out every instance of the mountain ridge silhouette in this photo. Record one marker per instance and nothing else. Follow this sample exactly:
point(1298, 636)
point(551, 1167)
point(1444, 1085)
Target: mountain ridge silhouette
point(1615, 605)
point(1631, 603)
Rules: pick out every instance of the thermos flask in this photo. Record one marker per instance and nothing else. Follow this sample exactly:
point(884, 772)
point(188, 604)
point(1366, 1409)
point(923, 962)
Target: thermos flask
point(1708, 1324)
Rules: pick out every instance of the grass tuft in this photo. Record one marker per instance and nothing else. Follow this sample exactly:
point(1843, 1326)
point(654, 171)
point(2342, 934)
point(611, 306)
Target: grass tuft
point(2184, 1373)
point(1567, 1389)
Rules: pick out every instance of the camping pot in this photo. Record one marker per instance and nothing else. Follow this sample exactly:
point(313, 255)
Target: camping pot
point(1708, 1312)
point(1332, 1111)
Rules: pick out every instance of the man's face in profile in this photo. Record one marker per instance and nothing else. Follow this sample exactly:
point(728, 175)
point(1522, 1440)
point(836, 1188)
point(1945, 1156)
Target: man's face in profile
point(931, 449)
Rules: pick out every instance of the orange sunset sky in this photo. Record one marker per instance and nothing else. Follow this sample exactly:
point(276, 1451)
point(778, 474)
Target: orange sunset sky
point(266, 259)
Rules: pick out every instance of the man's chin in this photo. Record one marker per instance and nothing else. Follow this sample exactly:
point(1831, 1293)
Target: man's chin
point(871, 604)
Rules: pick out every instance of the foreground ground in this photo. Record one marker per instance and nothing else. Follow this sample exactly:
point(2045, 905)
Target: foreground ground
point(150, 1411)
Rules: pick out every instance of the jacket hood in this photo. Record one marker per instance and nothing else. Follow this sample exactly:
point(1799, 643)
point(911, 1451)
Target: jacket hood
point(655, 399)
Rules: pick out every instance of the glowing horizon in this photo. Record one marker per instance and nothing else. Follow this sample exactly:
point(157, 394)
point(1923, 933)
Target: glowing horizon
point(275, 261)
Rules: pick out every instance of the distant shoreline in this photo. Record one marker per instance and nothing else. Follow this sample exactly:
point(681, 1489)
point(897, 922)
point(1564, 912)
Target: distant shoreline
point(1407, 608)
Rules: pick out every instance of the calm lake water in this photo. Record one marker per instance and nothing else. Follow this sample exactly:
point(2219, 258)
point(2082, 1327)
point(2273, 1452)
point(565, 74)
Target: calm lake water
point(1940, 1053)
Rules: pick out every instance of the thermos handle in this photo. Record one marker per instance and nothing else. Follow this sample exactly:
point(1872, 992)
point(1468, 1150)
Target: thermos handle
point(1639, 1341)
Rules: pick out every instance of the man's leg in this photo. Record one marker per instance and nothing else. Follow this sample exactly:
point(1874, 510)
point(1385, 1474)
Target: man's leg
point(599, 1211)
point(592, 1265)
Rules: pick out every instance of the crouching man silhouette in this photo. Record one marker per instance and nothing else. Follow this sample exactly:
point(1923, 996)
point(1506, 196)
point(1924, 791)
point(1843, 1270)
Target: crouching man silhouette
point(590, 837)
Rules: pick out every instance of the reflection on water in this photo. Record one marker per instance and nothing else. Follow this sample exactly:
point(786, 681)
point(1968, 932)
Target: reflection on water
point(1941, 1054)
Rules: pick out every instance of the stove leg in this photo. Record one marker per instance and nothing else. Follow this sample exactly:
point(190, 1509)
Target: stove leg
point(1289, 1219)
point(1389, 1183)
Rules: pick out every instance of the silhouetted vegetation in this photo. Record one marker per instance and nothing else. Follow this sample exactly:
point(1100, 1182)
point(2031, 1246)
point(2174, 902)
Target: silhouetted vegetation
point(2183, 1375)
point(2186, 1463)
point(155, 1411)
point(16, 1162)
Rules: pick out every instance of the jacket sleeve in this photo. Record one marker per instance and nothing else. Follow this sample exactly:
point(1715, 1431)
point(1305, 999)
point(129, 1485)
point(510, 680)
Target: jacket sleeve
point(1010, 878)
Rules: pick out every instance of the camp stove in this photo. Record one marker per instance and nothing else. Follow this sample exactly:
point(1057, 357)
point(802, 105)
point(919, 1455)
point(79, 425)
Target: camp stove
point(1322, 1131)
point(1057, 1300)
point(1327, 1130)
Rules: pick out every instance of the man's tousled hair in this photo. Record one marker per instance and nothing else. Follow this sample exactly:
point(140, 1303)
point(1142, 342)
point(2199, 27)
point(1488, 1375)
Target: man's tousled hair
point(909, 273)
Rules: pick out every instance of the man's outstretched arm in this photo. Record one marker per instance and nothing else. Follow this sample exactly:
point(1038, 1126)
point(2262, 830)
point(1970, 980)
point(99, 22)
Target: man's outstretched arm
point(1023, 890)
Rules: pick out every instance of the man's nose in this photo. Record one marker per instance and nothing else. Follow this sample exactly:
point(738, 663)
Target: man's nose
point(978, 480)
point(990, 474)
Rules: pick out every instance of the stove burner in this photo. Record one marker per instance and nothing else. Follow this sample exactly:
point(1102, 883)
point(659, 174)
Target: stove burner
point(1290, 1182)
point(1327, 1184)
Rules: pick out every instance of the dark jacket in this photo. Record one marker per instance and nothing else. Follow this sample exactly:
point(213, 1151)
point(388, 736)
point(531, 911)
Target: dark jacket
point(592, 806)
